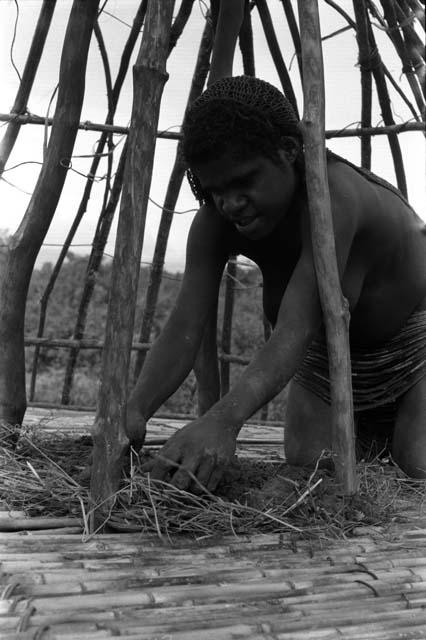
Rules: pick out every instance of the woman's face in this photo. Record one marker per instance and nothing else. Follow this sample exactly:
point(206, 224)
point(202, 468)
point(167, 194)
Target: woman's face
point(254, 193)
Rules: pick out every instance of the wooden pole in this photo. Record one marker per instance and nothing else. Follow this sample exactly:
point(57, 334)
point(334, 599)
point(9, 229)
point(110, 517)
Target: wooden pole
point(276, 54)
point(172, 194)
point(179, 23)
point(109, 437)
point(267, 331)
point(25, 86)
point(108, 209)
point(334, 306)
point(364, 60)
point(418, 10)
point(246, 42)
point(25, 244)
point(206, 367)
point(95, 260)
point(406, 20)
point(294, 30)
point(386, 109)
point(228, 17)
point(91, 271)
point(228, 313)
point(386, 71)
point(412, 63)
point(121, 74)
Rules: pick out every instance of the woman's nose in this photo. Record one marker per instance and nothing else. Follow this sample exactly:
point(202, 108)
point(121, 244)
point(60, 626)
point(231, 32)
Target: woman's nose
point(232, 203)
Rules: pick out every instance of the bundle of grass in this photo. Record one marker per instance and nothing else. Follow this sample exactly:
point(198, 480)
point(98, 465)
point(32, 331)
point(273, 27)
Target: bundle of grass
point(260, 497)
point(44, 476)
point(38, 476)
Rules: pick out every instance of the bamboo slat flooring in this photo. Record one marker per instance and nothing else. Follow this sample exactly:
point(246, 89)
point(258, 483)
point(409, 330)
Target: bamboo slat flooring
point(372, 586)
point(75, 423)
point(57, 586)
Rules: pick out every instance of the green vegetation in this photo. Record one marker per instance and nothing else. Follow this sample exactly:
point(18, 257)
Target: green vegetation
point(62, 313)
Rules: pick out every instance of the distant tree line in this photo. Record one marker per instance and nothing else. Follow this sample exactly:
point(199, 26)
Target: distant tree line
point(247, 334)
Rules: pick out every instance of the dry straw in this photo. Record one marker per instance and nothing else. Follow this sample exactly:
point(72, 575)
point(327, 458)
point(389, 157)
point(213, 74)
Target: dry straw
point(44, 478)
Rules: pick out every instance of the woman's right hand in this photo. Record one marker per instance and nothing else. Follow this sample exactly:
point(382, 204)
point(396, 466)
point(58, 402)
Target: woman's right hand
point(135, 427)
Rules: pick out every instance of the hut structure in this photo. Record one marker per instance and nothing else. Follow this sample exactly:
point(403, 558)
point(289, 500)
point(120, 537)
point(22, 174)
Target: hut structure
point(256, 577)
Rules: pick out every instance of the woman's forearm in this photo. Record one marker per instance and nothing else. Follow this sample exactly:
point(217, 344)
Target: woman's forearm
point(268, 373)
point(168, 363)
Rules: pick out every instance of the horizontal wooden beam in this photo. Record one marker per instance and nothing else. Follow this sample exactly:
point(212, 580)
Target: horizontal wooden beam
point(59, 343)
point(375, 131)
point(27, 118)
point(160, 415)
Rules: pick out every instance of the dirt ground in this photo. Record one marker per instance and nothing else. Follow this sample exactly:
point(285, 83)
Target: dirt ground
point(306, 497)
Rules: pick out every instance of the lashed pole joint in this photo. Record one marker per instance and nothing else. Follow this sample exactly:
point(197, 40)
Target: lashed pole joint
point(335, 307)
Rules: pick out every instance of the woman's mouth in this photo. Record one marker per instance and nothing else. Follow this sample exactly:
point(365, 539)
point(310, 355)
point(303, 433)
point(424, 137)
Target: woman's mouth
point(245, 221)
point(248, 226)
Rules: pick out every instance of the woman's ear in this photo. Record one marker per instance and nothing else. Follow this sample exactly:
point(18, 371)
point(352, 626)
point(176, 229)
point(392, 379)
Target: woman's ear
point(290, 149)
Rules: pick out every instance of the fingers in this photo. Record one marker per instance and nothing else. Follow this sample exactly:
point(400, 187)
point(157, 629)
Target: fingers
point(172, 471)
point(160, 467)
point(215, 477)
point(204, 471)
point(186, 475)
point(183, 477)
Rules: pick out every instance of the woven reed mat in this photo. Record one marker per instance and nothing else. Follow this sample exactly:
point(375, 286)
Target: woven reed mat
point(368, 584)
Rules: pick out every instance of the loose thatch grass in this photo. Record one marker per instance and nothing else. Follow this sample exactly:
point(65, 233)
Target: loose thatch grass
point(37, 477)
point(44, 476)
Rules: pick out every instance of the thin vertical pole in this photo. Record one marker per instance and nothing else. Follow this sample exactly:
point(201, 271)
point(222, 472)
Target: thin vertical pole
point(228, 312)
point(228, 17)
point(364, 59)
point(386, 109)
point(246, 42)
point(335, 307)
point(121, 74)
point(412, 62)
point(267, 331)
point(109, 436)
point(276, 54)
point(172, 194)
point(28, 76)
point(294, 30)
point(25, 244)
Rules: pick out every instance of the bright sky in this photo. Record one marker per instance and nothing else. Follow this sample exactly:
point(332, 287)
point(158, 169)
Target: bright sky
point(342, 110)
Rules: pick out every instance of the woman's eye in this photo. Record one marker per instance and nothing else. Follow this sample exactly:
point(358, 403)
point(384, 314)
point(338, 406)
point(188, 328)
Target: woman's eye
point(245, 182)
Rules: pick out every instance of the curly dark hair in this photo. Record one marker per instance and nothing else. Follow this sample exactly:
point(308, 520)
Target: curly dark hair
point(242, 115)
